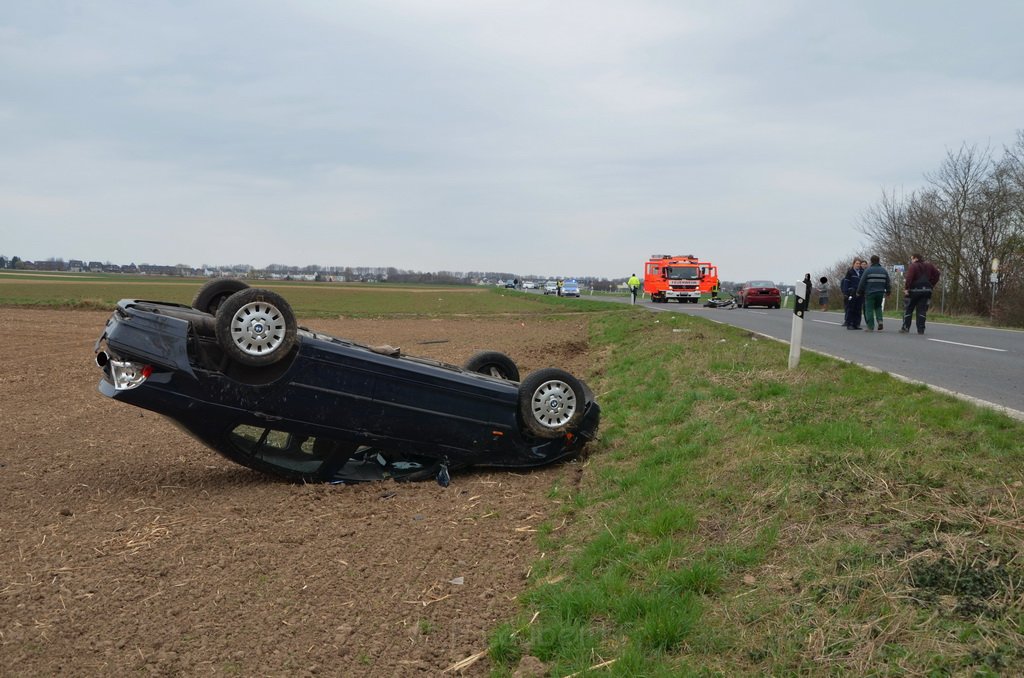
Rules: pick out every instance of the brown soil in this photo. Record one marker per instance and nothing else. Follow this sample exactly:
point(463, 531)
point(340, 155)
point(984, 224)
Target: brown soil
point(129, 548)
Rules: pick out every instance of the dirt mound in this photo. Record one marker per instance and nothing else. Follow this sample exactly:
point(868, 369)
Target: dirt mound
point(130, 548)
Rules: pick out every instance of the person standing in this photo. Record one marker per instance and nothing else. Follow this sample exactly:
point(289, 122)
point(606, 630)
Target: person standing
point(634, 286)
point(874, 284)
point(922, 277)
point(852, 302)
point(823, 293)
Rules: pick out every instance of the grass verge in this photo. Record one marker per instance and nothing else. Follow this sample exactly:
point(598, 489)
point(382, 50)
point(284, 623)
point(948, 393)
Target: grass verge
point(740, 518)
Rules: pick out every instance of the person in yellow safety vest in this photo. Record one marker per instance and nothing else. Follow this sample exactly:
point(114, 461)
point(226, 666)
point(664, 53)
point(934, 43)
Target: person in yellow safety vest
point(634, 286)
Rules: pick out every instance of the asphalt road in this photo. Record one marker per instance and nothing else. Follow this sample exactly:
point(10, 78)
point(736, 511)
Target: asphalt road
point(978, 363)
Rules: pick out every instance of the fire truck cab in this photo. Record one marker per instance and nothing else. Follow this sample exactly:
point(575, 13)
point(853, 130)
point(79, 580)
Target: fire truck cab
point(680, 277)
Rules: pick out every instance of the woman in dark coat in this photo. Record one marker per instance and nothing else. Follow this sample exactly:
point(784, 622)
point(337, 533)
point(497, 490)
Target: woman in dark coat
point(852, 303)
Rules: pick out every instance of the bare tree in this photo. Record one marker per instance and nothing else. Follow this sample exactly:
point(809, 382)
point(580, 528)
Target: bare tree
point(970, 212)
point(1010, 302)
point(887, 224)
point(959, 187)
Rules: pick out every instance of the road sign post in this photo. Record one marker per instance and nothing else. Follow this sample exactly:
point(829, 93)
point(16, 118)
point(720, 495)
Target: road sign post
point(994, 280)
point(802, 292)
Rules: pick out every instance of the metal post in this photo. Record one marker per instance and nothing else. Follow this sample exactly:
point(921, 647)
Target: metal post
point(994, 279)
point(897, 278)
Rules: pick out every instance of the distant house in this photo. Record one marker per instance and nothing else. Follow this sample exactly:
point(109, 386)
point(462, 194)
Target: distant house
point(150, 269)
point(76, 265)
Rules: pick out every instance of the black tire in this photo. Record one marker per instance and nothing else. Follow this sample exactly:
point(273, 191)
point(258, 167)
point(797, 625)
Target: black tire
point(493, 363)
point(213, 293)
point(256, 327)
point(551, 403)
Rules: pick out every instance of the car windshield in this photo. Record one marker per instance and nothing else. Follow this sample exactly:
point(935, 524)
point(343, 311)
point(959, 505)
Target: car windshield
point(331, 458)
point(282, 449)
point(682, 273)
point(760, 283)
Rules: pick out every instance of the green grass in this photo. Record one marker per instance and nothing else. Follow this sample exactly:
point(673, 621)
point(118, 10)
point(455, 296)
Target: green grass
point(99, 291)
point(740, 518)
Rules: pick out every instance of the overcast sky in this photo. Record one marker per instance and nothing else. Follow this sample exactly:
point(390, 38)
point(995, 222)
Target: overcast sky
point(568, 137)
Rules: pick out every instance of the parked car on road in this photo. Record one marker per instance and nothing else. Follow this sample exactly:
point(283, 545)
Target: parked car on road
point(551, 287)
point(759, 293)
point(529, 285)
point(570, 288)
point(236, 372)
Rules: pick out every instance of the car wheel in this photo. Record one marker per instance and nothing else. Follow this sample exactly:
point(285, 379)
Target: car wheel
point(493, 363)
point(256, 327)
point(551, 402)
point(213, 293)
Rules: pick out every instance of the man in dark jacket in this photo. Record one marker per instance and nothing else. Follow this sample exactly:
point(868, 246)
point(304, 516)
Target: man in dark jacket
point(922, 277)
point(851, 301)
point(874, 284)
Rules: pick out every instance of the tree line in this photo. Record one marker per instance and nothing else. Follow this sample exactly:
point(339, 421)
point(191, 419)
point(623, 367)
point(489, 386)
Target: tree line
point(969, 214)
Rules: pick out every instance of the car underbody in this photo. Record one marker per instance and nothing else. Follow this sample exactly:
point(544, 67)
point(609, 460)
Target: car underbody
point(311, 407)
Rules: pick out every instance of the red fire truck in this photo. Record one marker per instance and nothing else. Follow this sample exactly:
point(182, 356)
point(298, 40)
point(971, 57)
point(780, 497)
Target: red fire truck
point(680, 277)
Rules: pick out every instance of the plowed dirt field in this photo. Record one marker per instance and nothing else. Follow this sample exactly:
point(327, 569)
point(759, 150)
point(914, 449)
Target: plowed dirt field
point(130, 549)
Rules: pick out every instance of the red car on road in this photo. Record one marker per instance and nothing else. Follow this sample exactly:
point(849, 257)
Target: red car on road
point(759, 293)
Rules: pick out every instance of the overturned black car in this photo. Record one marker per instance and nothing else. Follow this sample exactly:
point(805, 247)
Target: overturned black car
point(235, 371)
